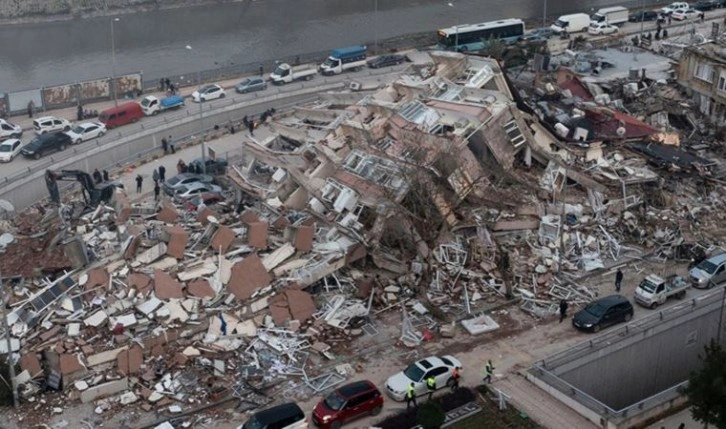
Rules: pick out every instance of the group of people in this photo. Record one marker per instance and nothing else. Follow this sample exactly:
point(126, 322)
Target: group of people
point(167, 145)
point(250, 124)
point(182, 167)
point(167, 86)
point(99, 177)
point(455, 376)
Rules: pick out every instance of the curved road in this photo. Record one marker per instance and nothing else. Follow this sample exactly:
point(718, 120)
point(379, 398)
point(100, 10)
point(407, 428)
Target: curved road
point(45, 54)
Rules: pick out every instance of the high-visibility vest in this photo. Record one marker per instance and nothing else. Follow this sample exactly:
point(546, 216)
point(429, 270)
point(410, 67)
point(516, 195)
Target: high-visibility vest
point(488, 368)
point(431, 383)
point(411, 392)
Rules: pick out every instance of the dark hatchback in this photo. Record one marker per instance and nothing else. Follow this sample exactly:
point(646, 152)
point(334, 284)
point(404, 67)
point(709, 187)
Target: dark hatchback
point(385, 61)
point(645, 15)
point(603, 313)
point(46, 144)
point(707, 4)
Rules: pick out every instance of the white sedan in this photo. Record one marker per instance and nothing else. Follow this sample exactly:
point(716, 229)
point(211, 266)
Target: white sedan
point(439, 367)
point(8, 130)
point(600, 28)
point(208, 92)
point(686, 13)
point(86, 131)
point(193, 189)
point(9, 149)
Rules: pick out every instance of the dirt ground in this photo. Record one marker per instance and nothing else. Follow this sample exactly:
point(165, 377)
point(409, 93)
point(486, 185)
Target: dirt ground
point(519, 342)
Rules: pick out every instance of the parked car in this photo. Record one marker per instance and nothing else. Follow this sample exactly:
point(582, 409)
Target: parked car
point(45, 144)
point(603, 312)
point(685, 13)
point(190, 190)
point(667, 10)
point(709, 273)
point(346, 403)
point(284, 416)
point(707, 4)
point(643, 15)
point(208, 92)
point(171, 185)
point(600, 28)
point(8, 130)
point(86, 131)
point(418, 372)
point(385, 61)
point(208, 198)
point(9, 149)
point(538, 34)
point(251, 84)
point(122, 114)
point(48, 124)
point(214, 166)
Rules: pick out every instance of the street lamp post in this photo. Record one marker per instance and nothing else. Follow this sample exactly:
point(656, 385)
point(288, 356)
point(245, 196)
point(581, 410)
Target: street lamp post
point(544, 15)
point(375, 25)
point(113, 62)
point(456, 36)
point(201, 116)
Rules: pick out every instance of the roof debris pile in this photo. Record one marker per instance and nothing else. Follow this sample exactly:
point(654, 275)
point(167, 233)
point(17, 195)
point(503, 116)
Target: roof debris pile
point(434, 199)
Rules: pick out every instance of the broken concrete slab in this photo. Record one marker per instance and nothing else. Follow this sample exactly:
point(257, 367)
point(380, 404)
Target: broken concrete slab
point(278, 256)
point(178, 238)
point(201, 289)
point(302, 306)
point(304, 236)
point(248, 276)
point(141, 282)
point(104, 357)
point(129, 361)
point(479, 325)
point(30, 362)
point(104, 390)
point(222, 239)
point(152, 254)
point(165, 287)
point(168, 213)
point(96, 319)
point(257, 234)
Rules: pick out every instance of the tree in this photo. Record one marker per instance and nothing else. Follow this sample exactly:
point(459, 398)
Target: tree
point(431, 415)
point(706, 388)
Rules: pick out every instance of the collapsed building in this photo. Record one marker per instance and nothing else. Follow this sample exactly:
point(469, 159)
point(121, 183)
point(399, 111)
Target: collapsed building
point(451, 189)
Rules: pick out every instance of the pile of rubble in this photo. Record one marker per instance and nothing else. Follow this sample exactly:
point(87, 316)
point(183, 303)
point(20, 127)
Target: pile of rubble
point(443, 195)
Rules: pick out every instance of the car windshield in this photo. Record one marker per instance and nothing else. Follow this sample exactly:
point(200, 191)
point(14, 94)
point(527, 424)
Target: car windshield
point(414, 372)
point(78, 130)
point(334, 401)
point(6, 148)
point(330, 62)
point(253, 423)
point(245, 82)
point(596, 309)
point(707, 266)
point(560, 23)
point(145, 102)
point(648, 286)
point(173, 181)
point(182, 189)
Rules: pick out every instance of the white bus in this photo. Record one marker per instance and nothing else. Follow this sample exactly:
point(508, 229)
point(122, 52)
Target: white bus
point(474, 37)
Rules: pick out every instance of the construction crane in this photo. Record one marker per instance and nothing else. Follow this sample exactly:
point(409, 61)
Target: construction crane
point(93, 194)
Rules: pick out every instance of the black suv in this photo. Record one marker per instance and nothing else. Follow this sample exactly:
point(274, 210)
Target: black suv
point(45, 144)
point(603, 313)
point(707, 4)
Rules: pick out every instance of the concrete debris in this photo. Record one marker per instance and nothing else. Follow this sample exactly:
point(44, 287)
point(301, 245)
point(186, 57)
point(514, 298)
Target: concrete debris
point(436, 197)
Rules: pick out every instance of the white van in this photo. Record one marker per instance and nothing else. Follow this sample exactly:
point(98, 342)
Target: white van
point(573, 23)
point(615, 15)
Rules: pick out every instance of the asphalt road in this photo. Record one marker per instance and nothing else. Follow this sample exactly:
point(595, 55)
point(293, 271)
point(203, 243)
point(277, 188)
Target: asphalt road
point(44, 54)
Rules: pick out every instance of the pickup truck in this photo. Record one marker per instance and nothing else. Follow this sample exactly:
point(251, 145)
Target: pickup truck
point(654, 291)
point(151, 105)
point(285, 74)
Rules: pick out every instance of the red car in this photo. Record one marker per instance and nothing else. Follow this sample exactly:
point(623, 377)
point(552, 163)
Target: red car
point(209, 198)
point(346, 403)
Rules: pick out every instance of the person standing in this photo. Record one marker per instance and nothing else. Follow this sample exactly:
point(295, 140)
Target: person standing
point(618, 280)
point(105, 176)
point(411, 395)
point(431, 385)
point(488, 371)
point(563, 309)
point(180, 167)
point(164, 145)
point(97, 176)
point(79, 112)
point(162, 173)
point(155, 176)
point(156, 191)
point(139, 181)
point(251, 127)
point(31, 108)
point(455, 376)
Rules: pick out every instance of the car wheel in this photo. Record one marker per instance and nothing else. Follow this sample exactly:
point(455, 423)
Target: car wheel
point(595, 328)
point(335, 425)
point(101, 134)
point(628, 317)
point(37, 155)
point(309, 77)
point(450, 383)
point(43, 132)
point(653, 306)
point(681, 295)
point(78, 141)
point(223, 95)
point(62, 147)
point(66, 128)
point(16, 135)
point(376, 411)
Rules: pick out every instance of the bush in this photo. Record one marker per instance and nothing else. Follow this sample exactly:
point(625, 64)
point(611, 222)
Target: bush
point(430, 415)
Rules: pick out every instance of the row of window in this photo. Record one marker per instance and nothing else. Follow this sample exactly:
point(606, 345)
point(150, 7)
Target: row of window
point(707, 72)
